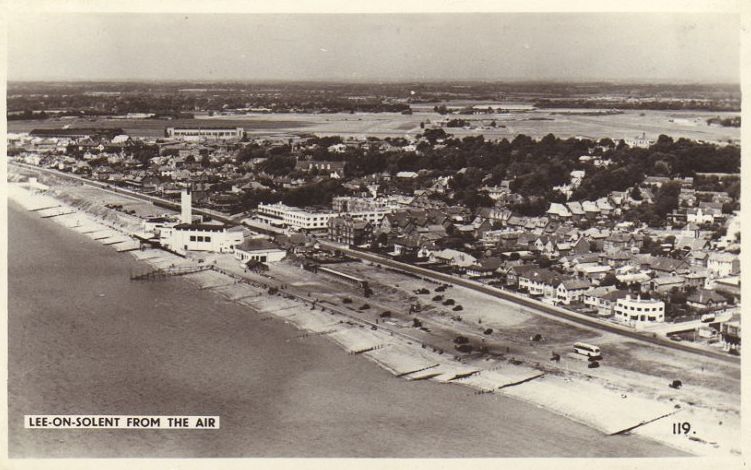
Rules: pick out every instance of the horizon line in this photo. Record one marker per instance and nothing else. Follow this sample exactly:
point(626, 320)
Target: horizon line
point(582, 81)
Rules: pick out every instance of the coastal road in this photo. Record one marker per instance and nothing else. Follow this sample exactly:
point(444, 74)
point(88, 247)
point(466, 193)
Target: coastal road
point(535, 307)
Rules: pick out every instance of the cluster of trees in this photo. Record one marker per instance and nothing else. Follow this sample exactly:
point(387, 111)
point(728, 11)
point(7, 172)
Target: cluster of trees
point(534, 206)
point(688, 104)
point(315, 194)
point(726, 122)
point(277, 165)
point(535, 167)
point(728, 184)
point(168, 97)
point(654, 215)
point(27, 114)
point(680, 158)
point(171, 102)
point(457, 123)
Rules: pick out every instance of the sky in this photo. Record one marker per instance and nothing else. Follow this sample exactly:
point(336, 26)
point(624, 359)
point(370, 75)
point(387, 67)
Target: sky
point(643, 47)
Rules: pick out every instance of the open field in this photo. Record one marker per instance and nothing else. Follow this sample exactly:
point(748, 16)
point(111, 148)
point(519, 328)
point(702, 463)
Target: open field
point(538, 123)
point(154, 127)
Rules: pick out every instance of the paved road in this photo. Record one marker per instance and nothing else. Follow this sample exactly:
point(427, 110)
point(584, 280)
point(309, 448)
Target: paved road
point(535, 306)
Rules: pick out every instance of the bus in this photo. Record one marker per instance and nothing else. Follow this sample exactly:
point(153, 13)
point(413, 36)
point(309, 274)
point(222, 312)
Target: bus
point(586, 350)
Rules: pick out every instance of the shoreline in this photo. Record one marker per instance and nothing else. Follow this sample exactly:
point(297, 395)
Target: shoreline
point(405, 360)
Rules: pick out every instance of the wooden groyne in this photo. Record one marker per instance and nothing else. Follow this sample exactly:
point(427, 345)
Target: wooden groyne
point(157, 274)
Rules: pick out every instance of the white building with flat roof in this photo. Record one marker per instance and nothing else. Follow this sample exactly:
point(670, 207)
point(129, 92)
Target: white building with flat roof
point(258, 249)
point(188, 236)
point(302, 219)
point(351, 204)
point(638, 312)
point(201, 237)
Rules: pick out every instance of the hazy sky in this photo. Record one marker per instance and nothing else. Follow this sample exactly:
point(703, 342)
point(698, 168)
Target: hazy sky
point(496, 46)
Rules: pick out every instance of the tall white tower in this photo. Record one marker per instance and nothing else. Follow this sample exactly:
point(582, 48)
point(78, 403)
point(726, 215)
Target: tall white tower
point(186, 207)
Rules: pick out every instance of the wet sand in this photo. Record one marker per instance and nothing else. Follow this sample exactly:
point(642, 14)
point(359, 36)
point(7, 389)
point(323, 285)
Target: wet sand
point(83, 339)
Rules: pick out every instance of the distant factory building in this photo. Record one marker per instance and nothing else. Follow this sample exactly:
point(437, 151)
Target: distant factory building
point(205, 133)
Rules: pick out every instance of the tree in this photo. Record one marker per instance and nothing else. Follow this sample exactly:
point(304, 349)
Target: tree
point(609, 280)
point(278, 165)
point(433, 135)
point(544, 261)
point(381, 240)
point(636, 193)
point(729, 207)
point(666, 200)
point(677, 296)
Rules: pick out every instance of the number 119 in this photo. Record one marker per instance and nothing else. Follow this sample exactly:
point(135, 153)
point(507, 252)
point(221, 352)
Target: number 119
point(681, 428)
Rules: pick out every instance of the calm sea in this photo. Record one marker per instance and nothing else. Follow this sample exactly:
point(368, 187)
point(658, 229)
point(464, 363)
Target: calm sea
point(83, 339)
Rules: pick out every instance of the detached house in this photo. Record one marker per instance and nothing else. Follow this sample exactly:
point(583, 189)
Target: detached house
point(663, 266)
point(539, 282)
point(604, 299)
point(453, 258)
point(408, 246)
point(667, 283)
point(571, 290)
point(559, 211)
point(486, 268)
point(349, 231)
point(621, 241)
point(704, 299)
point(576, 209)
point(723, 264)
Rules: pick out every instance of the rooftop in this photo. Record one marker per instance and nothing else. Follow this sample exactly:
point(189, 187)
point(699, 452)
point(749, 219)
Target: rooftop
point(257, 244)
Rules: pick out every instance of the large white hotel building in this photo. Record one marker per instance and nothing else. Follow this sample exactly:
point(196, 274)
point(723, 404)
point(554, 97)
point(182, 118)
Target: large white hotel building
point(302, 219)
